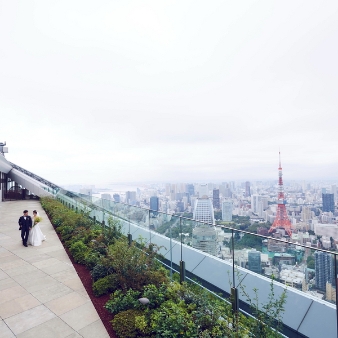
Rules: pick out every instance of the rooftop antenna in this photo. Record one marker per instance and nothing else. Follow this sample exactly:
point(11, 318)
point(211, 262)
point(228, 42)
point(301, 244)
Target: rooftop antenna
point(3, 149)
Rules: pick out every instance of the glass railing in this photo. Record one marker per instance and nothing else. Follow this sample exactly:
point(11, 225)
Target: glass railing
point(48, 186)
point(222, 257)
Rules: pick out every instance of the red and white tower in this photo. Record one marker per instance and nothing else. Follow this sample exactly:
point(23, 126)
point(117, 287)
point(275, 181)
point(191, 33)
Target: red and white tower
point(282, 219)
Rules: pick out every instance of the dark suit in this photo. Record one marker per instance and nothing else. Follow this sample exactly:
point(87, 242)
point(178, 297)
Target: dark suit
point(25, 225)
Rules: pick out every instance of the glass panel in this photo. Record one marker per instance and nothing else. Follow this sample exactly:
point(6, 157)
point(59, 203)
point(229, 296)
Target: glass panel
point(205, 238)
point(288, 264)
point(138, 216)
point(186, 228)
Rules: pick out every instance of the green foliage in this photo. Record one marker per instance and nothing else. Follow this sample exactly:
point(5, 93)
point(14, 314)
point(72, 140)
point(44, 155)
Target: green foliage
point(121, 302)
point(163, 228)
point(124, 324)
point(65, 230)
point(105, 285)
point(98, 245)
point(172, 319)
point(91, 259)
point(100, 270)
point(268, 316)
point(156, 295)
point(186, 229)
point(133, 267)
point(218, 214)
point(79, 251)
point(310, 262)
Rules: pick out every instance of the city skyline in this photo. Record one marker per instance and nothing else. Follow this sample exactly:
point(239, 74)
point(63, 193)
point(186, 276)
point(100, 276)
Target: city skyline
point(164, 91)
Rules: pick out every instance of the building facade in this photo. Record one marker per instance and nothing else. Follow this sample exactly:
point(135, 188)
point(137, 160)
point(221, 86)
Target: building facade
point(227, 210)
point(247, 189)
point(254, 261)
point(324, 270)
point(117, 198)
point(154, 203)
point(204, 211)
point(215, 199)
point(204, 238)
point(328, 202)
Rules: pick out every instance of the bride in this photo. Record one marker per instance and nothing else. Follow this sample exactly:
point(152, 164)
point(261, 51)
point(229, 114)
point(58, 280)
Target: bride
point(36, 236)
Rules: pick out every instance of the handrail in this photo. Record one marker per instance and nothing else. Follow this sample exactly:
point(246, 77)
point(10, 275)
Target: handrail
point(222, 226)
point(36, 177)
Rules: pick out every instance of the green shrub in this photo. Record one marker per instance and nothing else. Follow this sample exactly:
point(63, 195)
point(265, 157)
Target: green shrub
point(105, 285)
point(100, 271)
point(134, 267)
point(98, 245)
point(124, 324)
point(121, 302)
point(65, 231)
point(91, 259)
point(155, 295)
point(172, 320)
point(78, 251)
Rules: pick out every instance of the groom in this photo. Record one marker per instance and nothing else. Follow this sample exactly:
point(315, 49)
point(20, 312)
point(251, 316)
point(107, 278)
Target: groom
point(25, 224)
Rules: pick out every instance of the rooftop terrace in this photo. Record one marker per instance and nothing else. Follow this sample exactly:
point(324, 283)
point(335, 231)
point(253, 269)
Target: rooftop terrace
point(41, 294)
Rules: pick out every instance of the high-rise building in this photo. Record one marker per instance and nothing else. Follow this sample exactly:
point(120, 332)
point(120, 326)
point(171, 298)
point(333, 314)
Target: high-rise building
point(106, 196)
point(105, 199)
point(254, 261)
point(227, 210)
point(203, 190)
point(179, 196)
point(167, 189)
point(204, 238)
point(215, 199)
point(117, 198)
point(131, 197)
point(255, 206)
point(247, 189)
point(154, 203)
point(204, 211)
point(180, 206)
point(324, 269)
point(328, 202)
point(265, 202)
point(306, 214)
point(334, 191)
point(190, 189)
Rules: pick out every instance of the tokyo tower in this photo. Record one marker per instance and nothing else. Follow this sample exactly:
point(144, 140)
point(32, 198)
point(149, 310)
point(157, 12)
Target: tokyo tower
point(282, 219)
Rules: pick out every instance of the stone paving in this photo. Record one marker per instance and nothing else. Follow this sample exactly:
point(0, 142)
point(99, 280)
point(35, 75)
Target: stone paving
point(41, 294)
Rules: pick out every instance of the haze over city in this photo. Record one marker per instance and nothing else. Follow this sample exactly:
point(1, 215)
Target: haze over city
point(169, 91)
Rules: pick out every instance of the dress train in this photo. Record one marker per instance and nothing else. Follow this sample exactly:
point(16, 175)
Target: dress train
point(36, 236)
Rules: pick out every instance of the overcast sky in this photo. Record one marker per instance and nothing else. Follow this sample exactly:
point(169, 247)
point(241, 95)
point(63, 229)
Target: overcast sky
point(125, 91)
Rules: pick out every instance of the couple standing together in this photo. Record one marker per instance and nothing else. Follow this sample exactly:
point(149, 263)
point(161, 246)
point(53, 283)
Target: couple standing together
point(30, 230)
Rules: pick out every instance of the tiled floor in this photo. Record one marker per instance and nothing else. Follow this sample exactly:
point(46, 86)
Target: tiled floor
point(41, 294)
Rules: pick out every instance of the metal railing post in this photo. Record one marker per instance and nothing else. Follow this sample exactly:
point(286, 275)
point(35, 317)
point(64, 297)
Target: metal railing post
point(182, 263)
point(336, 283)
point(234, 290)
point(171, 256)
point(149, 226)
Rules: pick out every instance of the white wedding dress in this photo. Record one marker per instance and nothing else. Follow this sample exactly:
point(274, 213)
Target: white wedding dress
point(35, 236)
